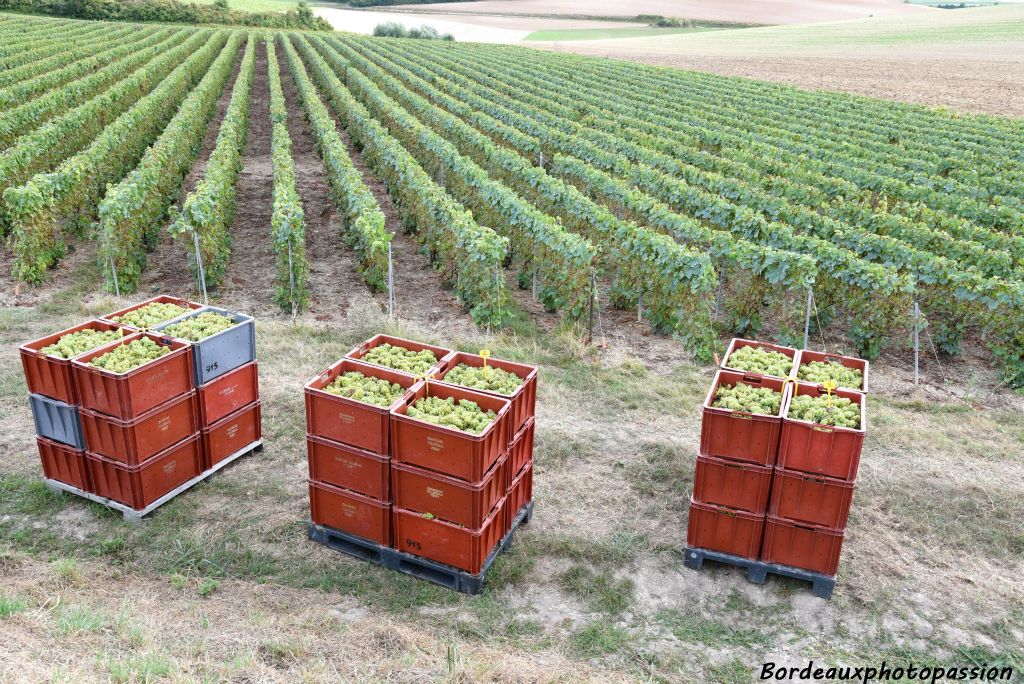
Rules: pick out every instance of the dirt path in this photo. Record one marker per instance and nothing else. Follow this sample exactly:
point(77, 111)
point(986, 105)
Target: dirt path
point(168, 268)
point(334, 282)
point(249, 282)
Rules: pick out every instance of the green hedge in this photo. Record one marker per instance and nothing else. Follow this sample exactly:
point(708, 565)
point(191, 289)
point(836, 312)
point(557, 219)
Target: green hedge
point(170, 11)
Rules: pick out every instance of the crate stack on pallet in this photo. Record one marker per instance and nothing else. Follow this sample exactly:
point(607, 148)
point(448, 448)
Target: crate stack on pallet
point(434, 501)
point(781, 438)
point(133, 429)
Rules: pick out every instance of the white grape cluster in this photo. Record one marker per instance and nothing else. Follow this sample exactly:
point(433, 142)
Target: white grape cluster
point(73, 344)
point(489, 379)
point(152, 314)
point(196, 328)
point(464, 415)
point(400, 358)
point(761, 361)
point(126, 357)
point(763, 401)
point(824, 371)
point(837, 411)
point(355, 385)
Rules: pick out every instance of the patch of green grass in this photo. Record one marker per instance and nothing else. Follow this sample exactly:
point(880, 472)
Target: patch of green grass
point(602, 592)
point(663, 475)
point(608, 33)
point(617, 550)
point(78, 620)
point(282, 653)
point(690, 627)
point(598, 638)
point(208, 586)
point(137, 668)
point(29, 496)
point(732, 672)
point(9, 605)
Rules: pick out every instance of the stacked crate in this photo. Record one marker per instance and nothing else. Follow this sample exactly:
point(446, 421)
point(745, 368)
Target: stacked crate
point(814, 478)
point(770, 489)
point(124, 439)
point(226, 379)
point(428, 491)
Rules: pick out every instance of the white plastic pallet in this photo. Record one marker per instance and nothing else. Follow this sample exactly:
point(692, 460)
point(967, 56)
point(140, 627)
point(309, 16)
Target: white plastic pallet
point(135, 516)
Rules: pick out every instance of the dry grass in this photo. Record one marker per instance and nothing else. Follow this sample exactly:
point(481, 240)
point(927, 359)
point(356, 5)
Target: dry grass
point(223, 585)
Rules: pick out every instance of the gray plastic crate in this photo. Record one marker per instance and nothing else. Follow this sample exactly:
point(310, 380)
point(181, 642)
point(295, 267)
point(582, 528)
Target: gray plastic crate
point(57, 421)
point(223, 352)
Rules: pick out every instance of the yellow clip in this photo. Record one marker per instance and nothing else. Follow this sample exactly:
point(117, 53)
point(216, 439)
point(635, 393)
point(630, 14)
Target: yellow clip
point(485, 354)
point(829, 385)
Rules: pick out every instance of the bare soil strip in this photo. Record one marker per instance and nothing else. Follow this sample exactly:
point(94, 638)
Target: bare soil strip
point(250, 271)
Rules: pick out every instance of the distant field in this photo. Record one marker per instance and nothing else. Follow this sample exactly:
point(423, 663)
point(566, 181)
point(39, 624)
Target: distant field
point(966, 59)
point(264, 5)
point(741, 11)
point(610, 33)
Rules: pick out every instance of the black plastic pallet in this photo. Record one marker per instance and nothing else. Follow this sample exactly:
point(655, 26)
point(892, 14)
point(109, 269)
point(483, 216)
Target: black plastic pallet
point(757, 571)
point(408, 564)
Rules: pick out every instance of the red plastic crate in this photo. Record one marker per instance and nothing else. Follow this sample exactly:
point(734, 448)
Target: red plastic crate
point(520, 493)
point(811, 499)
point(351, 422)
point(807, 356)
point(743, 486)
point(739, 343)
point(129, 395)
point(162, 299)
point(221, 397)
point(139, 486)
point(822, 449)
point(64, 464)
point(441, 353)
point(521, 451)
point(133, 441)
point(231, 434)
point(728, 530)
point(459, 547)
point(739, 435)
point(800, 545)
point(447, 498)
point(524, 399)
point(51, 375)
point(344, 466)
point(351, 512)
point(445, 450)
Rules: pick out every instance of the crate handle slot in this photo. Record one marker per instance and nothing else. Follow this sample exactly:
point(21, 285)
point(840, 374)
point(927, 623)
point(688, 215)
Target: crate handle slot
point(741, 416)
point(820, 428)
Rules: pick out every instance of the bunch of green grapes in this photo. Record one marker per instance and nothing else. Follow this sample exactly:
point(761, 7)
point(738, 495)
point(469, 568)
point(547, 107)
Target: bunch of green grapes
point(842, 412)
point(126, 357)
point(151, 314)
point(355, 385)
point(823, 371)
point(73, 344)
point(489, 379)
point(199, 327)
point(462, 415)
point(400, 358)
point(763, 401)
point(761, 361)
